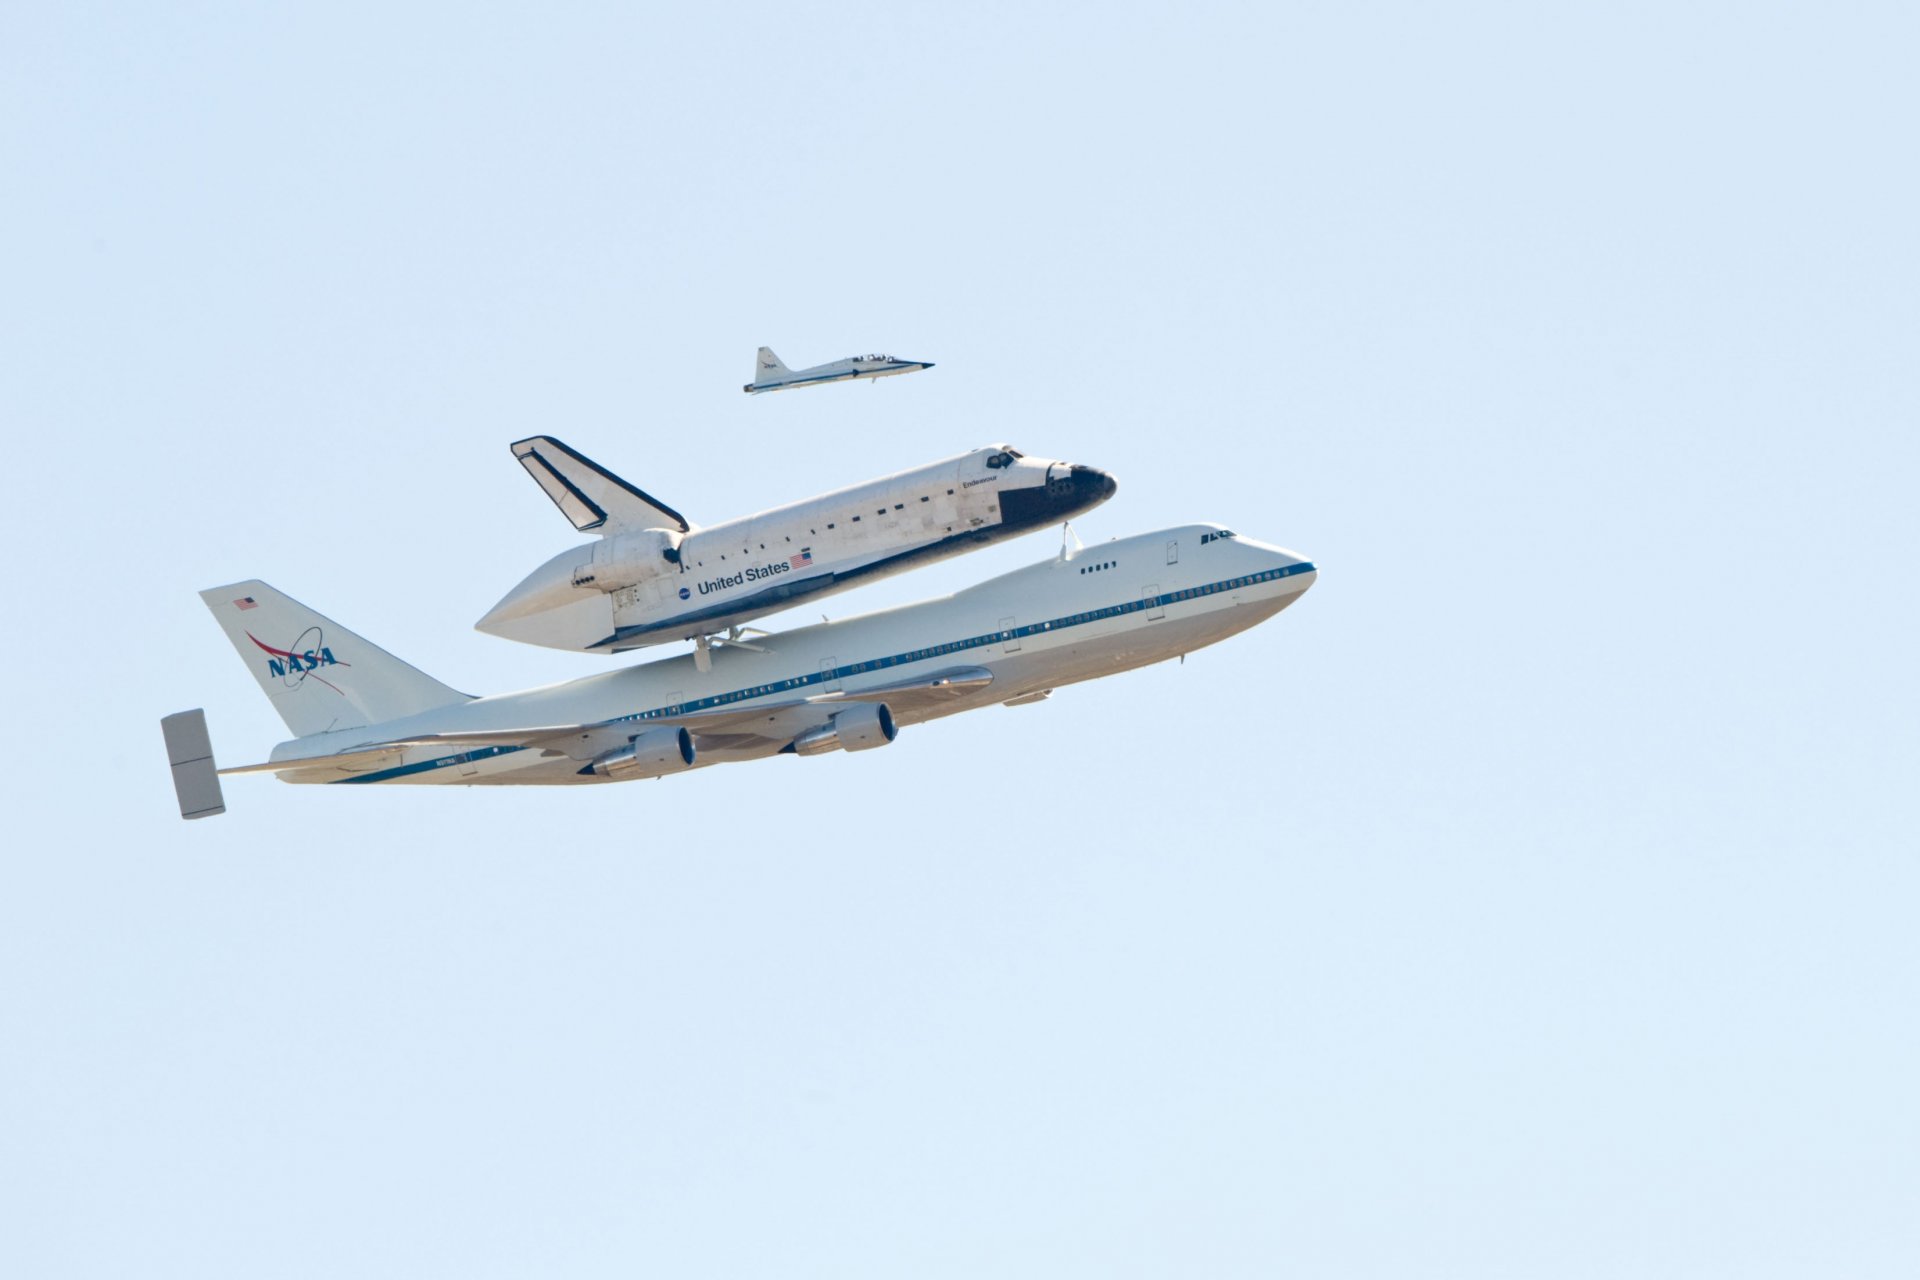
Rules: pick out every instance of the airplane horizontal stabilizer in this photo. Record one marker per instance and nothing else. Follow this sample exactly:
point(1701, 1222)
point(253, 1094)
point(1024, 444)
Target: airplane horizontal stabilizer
point(594, 499)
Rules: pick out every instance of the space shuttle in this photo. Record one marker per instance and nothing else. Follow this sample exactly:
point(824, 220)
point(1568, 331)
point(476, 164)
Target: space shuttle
point(653, 577)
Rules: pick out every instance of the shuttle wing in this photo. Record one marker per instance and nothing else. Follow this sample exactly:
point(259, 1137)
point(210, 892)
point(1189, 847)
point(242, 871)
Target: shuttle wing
point(593, 498)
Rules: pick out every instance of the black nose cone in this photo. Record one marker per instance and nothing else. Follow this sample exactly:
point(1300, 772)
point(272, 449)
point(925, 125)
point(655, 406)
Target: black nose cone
point(1069, 490)
point(1092, 485)
point(1080, 489)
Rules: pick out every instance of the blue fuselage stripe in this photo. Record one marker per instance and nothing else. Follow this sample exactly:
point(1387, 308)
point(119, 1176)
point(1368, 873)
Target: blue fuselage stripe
point(874, 664)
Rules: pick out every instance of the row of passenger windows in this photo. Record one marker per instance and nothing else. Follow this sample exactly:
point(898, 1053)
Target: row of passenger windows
point(1103, 565)
point(959, 646)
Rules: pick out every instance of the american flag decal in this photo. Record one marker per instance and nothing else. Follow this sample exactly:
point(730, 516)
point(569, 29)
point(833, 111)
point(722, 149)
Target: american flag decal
point(246, 602)
point(802, 560)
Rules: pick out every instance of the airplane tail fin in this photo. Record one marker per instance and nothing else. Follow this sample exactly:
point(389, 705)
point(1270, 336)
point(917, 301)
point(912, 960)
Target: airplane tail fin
point(768, 367)
point(319, 675)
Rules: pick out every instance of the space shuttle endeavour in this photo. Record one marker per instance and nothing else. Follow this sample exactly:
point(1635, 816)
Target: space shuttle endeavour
point(653, 577)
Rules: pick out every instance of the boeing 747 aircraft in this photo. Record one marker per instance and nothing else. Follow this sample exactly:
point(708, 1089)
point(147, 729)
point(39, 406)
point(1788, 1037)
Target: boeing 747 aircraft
point(360, 715)
point(653, 577)
point(770, 373)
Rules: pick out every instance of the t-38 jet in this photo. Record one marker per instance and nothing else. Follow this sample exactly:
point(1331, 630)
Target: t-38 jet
point(653, 577)
point(360, 715)
point(771, 374)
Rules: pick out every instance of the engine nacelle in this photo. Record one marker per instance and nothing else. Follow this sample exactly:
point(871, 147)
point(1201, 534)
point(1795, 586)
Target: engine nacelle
point(651, 755)
point(626, 559)
point(858, 728)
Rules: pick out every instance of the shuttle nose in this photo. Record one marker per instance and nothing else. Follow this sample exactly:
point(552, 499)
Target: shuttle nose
point(1069, 490)
point(1090, 484)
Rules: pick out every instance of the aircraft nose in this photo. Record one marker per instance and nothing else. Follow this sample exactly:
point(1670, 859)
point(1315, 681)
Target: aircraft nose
point(1091, 484)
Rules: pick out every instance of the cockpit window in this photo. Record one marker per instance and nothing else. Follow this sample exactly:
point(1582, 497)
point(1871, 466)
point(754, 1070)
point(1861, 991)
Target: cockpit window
point(1002, 459)
point(1014, 453)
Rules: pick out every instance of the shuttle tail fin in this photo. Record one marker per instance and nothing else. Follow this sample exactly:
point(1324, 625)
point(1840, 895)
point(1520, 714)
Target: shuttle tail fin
point(319, 675)
point(768, 367)
point(589, 495)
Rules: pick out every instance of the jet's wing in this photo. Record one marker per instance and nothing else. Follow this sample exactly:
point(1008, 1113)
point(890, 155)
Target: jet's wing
point(774, 722)
point(921, 693)
point(783, 721)
point(593, 498)
point(554, 738)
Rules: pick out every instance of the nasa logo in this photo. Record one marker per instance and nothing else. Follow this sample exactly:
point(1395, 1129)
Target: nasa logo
point(300, 659)
point(685, 594)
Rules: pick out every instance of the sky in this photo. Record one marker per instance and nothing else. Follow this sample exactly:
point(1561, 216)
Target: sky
point(1533, 898)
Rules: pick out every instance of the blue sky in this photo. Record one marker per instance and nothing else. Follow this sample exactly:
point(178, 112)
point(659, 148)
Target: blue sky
point(1535, 898)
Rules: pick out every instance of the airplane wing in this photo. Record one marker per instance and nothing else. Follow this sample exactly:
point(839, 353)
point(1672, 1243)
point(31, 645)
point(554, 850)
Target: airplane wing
point(589, 495)
point(783, 721)
point(920, 693)
point(378, 754)
point(774, 722)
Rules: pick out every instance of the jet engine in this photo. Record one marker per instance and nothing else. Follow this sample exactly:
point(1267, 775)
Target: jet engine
point(651, 755)
point(858, 728)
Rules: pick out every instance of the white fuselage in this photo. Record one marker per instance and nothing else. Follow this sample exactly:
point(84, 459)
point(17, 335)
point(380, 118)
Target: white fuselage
point(1093, 612)
point(783, 379)
point(653, 586)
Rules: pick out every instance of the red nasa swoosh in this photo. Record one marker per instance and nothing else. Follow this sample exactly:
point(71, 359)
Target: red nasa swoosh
point(282, 653)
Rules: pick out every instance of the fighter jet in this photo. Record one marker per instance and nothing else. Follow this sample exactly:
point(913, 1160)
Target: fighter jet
point(362, 716)
point(653, 577)
point(770, 374)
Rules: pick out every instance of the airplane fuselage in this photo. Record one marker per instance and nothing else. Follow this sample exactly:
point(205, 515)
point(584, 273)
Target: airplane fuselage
point(1093, 612)
point(780, 378)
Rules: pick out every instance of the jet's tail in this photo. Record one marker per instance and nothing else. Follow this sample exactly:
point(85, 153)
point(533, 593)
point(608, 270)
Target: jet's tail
point(768, 367)
point(319, 675)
